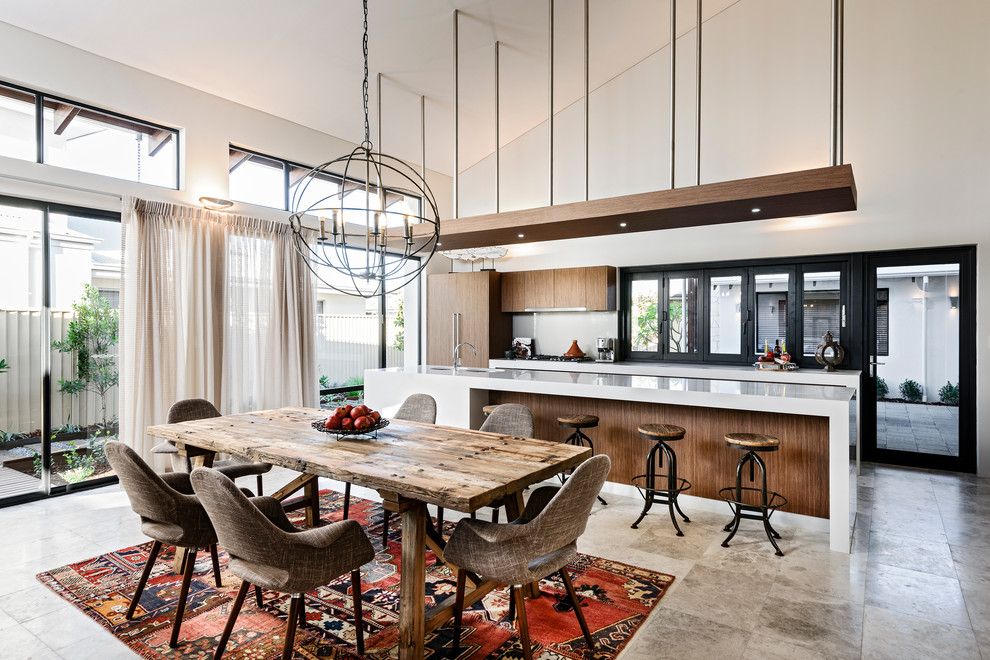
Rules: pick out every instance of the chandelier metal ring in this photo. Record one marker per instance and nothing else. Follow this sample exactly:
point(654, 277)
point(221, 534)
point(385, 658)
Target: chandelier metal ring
point(368, 243)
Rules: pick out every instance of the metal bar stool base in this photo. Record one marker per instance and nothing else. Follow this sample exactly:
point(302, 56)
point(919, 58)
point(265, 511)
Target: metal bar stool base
point(665, 496)
point(579, 439)
point(748, 511)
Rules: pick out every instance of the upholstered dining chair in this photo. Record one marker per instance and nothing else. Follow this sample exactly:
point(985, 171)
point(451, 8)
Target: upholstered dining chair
point(268, 551)
point(540, 543)
point(170, 514)
point(507, 419)
point(187, 410)
point(416, 408)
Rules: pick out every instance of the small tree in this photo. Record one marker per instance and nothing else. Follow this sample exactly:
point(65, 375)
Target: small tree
point(911, 390)
point(647, 323)
point(399, 323)
point(92, 337)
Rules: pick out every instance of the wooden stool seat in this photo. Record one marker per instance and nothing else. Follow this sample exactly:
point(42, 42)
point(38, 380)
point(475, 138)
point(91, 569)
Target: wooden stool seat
point(578, 421)
point(489, 409)
point(755, 441)
point(662, 431)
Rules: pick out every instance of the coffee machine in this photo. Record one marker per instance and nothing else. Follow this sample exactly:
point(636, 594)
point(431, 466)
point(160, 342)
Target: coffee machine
point(606, 349)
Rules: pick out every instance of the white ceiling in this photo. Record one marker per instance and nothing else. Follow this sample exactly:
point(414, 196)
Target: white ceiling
point(301, 60)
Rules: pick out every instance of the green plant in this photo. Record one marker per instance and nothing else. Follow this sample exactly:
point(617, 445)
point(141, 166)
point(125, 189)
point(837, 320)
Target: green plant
point(92, 337)
point(4, 367)
point(399, 323)
point(949, 394)
point(911, 390)
point(647, 326)
point(882, 388)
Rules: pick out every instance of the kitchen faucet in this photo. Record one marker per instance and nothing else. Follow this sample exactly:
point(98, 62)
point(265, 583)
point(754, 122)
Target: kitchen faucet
point(457, 353)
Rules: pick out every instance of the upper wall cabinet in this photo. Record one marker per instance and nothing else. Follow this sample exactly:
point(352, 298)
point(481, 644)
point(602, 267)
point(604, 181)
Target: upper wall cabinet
point(591, 288)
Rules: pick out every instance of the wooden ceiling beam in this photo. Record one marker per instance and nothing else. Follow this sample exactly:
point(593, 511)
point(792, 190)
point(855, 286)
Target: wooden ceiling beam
point(806, 192)
point(63, 116)
point(157, 140)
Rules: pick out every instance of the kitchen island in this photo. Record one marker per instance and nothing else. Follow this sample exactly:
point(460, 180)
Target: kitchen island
point(812, 469)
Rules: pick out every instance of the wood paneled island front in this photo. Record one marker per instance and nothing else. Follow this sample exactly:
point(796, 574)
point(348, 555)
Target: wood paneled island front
point(811, 469)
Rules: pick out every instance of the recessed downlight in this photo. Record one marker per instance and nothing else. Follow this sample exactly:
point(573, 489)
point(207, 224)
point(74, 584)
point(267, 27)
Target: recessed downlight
point(623, 224)
point(755, 209)
point(522, 235)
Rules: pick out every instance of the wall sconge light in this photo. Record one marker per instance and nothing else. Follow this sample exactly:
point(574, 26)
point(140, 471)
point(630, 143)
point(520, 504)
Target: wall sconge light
point(953, 302)
point(215, 203)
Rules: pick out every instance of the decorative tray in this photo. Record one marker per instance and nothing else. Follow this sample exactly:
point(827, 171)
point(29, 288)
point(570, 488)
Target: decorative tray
point(775, 366)
point(370, 432)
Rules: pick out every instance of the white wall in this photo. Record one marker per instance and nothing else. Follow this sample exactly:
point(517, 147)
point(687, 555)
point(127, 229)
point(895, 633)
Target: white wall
point(916, 134)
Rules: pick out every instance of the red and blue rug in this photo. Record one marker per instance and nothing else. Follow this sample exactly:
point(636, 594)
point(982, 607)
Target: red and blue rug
point(616, 598)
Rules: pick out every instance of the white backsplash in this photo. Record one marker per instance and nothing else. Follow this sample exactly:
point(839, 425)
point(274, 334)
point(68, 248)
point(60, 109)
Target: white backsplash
point(553, 332)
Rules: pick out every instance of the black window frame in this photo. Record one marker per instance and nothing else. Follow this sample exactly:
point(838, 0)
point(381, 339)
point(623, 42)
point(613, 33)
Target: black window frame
point(664, 308)
point(40, 100)
point(745, 316)
point(845, 325)
point(886, 322)
point(790, 328)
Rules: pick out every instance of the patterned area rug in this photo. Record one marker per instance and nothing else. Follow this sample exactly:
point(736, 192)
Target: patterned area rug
point(616, 598)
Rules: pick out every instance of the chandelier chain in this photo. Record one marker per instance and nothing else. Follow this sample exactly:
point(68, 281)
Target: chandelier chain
point(367, 124)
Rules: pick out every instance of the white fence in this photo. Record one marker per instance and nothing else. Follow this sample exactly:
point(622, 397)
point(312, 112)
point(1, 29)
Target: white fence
point(21, 397)
point(347, 344)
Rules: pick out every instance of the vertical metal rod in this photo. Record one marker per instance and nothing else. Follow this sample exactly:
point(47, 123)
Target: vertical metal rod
point(835, 111)
point(379, 81)
point(46, 361)
point(587, 90)
point(673, 84)
point(422, 132)
point(550, 125)
point(697, 100)
point(457, 160)
point(498, 171)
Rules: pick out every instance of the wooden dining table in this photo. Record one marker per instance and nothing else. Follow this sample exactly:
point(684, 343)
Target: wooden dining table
point(410, 464)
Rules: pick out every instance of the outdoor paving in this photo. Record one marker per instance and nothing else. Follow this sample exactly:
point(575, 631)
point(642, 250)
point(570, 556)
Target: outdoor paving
point(918, 427)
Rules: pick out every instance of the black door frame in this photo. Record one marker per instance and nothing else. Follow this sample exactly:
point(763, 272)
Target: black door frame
point(966, 258)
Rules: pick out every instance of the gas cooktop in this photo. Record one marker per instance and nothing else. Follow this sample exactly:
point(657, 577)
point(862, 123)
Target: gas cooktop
point(560, 358)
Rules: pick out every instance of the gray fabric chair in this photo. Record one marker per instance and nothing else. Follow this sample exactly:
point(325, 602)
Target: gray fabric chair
point(170, 515)
point(541, 542)
point(416, 408)
point(234, 467)
point(268, 551)
point(506, 419)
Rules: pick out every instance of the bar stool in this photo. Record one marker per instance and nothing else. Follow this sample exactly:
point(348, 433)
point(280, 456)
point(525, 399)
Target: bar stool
point(660, 435)
point(578, 438)
point(767, 501)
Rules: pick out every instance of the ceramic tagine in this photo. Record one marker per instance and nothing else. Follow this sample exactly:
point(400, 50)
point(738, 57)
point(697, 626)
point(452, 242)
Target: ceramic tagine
point(574, 351)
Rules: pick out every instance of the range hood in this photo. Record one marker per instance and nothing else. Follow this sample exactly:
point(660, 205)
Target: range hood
point(806, 192)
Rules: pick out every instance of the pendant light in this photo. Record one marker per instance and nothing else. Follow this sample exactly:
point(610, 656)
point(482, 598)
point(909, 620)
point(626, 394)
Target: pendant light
point(365, 245)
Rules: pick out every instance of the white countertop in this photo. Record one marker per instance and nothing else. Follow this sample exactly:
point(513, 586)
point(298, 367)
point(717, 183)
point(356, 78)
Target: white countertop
point(841, 378)
point(794, 398)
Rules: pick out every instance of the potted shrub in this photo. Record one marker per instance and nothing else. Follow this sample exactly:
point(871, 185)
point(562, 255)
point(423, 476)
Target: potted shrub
point(911, 391)
point(949, 394)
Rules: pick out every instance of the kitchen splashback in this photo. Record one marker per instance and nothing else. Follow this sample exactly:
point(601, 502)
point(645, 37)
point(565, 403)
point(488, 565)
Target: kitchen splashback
point(553, 331)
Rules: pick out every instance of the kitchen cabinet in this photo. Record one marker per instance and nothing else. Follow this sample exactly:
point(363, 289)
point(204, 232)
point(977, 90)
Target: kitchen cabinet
point(468, 307)
point(590, 288)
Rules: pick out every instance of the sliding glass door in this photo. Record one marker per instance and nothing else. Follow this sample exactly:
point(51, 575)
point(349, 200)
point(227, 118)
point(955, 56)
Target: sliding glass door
point(920, 401)
point(58, 342)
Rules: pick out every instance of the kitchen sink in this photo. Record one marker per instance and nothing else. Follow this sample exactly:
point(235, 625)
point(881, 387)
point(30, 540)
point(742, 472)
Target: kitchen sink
point(476, 370)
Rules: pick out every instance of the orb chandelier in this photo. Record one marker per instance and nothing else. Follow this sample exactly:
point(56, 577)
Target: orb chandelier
point(365, 245)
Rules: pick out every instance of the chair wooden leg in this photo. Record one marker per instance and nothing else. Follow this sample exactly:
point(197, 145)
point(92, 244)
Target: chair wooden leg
point(347, 500)
point(440, 520)
point(520, 598)
point(261, 486)
point(257, 596)
point(512, 606)
point(290, 628)
point(180, 608)
point(358, 612)
point(385, 517)
point(459, 608)
point(235, 609)
point(216, 565)
point(577, 608)
point(302, 610)
point(148, 565)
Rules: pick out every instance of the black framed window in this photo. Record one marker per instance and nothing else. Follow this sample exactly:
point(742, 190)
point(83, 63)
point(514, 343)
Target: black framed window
point(727, 313)
point(56, 131)
point(645, 314)
point(773, 308)
point(681, 316)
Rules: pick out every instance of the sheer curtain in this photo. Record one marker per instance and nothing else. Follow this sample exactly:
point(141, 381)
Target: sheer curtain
point(214, 306)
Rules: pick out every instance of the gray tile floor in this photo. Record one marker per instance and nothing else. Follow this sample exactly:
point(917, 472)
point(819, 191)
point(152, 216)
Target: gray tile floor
point(917, 584)
point(930, 429)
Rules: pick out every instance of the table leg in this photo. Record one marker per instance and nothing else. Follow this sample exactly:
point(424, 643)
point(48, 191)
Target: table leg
point(412, 585)
point(177, 561)
point(312, 496)
point(514, 505)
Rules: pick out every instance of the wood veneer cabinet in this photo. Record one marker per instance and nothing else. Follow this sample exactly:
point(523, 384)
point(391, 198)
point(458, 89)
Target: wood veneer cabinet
point(591, 288)
point(477, 298)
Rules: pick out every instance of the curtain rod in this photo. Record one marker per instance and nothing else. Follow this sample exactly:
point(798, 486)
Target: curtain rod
point(61, 186)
